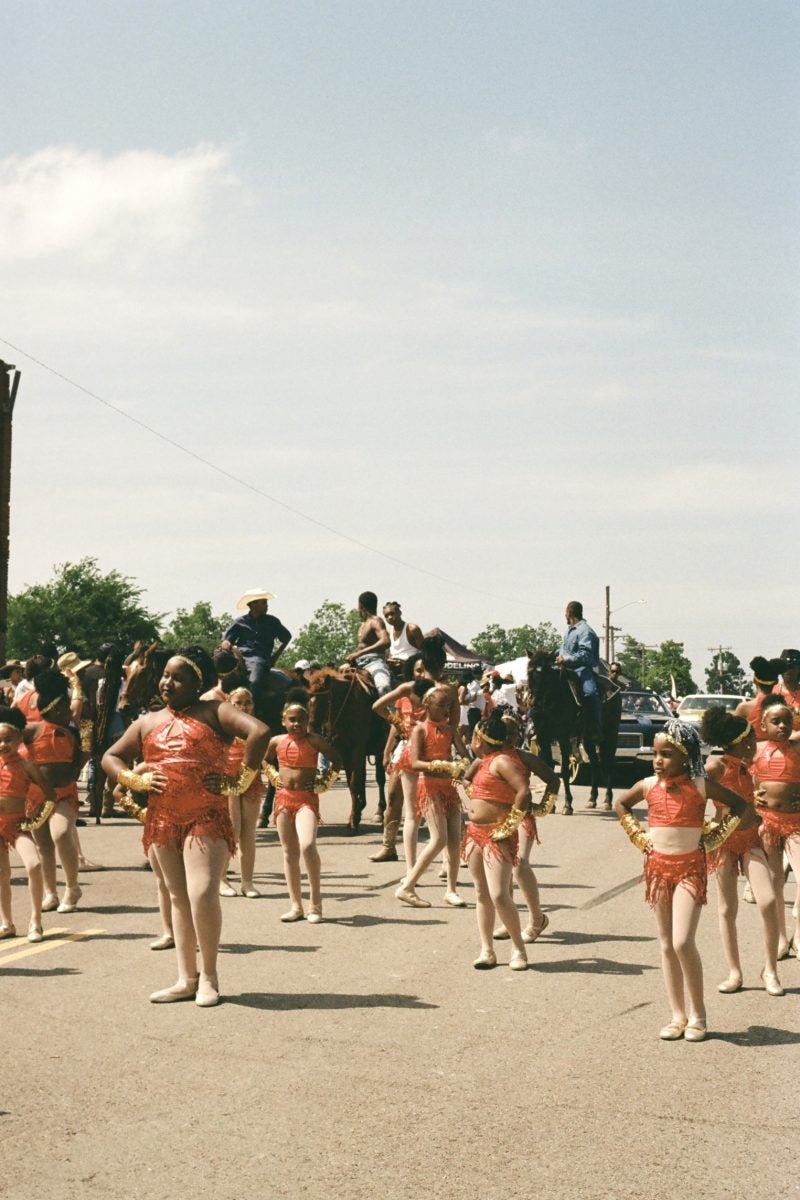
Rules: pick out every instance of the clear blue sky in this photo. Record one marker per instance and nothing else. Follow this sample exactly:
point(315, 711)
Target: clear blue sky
point(505, 291)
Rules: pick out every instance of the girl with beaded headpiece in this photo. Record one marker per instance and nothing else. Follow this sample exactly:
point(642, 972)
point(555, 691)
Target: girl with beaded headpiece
point(429, 752)
point(296, 809)
point(16, 776)
point(675, 869)
point(184, 748)
point(777, 773)
point(742, 853)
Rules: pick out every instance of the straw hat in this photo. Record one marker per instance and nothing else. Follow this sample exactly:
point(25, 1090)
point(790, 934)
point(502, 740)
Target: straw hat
point(72, 662)
point(254, 594)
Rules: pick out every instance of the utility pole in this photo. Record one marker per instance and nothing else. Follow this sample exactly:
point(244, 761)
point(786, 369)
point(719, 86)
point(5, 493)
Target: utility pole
point(8, 394)
point(717, 652)
point(608, 624)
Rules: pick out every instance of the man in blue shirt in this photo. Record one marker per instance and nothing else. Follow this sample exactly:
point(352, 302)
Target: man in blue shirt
point(580, 651)
point(255, 635)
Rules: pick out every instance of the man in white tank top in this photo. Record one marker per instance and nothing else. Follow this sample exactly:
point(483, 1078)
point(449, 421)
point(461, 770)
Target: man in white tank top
point(405, 639)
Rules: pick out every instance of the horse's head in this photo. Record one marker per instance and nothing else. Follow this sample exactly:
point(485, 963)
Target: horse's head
point(541, 672)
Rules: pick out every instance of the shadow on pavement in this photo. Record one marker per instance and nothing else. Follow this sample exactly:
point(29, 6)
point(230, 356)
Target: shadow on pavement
point(251, 948)
point(32, 973)
point(758, 1035)
point(324, 1001)
point(362, 921)
point(119, 908)
point(582, 939)
point(591, 966)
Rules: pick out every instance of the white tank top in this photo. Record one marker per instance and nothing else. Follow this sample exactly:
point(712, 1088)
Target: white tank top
point(400, 647)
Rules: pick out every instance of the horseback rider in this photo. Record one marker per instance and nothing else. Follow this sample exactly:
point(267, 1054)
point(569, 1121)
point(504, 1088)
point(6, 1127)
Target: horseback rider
point(405, 639)
point(373, 642)
point(580, 652)
point(256, 635)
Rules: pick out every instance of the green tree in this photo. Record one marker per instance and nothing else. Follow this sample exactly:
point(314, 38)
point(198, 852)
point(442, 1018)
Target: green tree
point(196, 627)
point(726, 674)
point(79, 607)
point(496, 644)
point(656, 668)
point(330, 634)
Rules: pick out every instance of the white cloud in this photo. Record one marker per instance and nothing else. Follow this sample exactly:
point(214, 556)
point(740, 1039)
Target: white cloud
point(62, 199)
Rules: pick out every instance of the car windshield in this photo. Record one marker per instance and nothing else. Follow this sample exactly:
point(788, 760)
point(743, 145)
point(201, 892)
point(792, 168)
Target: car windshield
point(701, 703)
point(635, 704)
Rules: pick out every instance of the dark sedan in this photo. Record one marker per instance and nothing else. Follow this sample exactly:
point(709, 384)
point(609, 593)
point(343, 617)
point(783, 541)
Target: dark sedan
point(643, 715)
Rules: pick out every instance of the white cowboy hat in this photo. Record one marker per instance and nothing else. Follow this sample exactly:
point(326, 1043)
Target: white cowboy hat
point(72, 662)
point(254, 594)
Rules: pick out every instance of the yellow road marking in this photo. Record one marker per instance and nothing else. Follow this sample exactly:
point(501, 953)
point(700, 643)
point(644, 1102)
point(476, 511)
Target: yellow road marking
point(52, 944)
point(13, 943)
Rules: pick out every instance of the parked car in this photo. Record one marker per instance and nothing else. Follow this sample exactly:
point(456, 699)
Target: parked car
point(692, 708)
point(643, 715)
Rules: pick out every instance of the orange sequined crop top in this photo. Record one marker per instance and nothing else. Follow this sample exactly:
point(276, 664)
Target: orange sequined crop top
point(185, 750)
point(52, 744)
point(410, 714)
point(778, 763)
point(437, 740)
point(296, 752)
point(14, 779)
point(486, 786)
point(736, 777)
point(677, 801)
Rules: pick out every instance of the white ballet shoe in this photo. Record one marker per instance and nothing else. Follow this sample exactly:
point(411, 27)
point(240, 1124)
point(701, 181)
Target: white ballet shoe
point(207, 995)
point(531, 932)
point(7, 931)
point(314, 914)
point(409, 896)
point(225, 889)
point(518, 961)
point(165, 942)
point(35, 933)
point(695, 1030)
point(673, 1031)
point(249, 889)
point(454, 900)
point(485, 960)
point(50, 902)
point(294, 914)
point(184, 989)
point(70, 902)
point(772, 985)
point(730, 985)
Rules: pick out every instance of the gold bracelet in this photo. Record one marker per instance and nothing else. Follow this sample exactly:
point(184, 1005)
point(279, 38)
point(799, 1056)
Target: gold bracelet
point(86, 729)
point(240, 783)
point(325, 779)
point(37, 821)
point(134, 782)
point(545, 805)
point(77, 690)
point(715, 833)
point(272, 775)
point(508, 825)
point(447, 767)
point(635, 832)
point(129, 805)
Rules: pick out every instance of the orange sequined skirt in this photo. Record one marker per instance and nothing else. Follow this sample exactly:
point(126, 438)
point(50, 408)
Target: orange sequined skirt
point(291, 802)
point(436, 793)
point(663, 873)
point(68, 794)
point(402, 762)
point(10, 828)
point(479, 837)
point(740, 843)
point(164, 828)
point(777, 826)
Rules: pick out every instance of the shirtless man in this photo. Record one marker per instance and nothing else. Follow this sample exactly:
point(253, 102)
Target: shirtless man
point(373, 642)
point(404, 639)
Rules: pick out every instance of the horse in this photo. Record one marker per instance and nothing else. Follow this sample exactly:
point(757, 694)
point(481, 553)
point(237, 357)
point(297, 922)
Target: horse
point(341, 710)
point(559, 716)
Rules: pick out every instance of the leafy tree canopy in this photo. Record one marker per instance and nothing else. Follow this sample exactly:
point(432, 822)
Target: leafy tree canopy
point(726, 675)
point(196, 627)
point(657, 667)
point(80, 608)
point(496, 644)
point(331, 633)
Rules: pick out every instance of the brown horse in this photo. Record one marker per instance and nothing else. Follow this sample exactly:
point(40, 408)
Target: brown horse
point(341, 710)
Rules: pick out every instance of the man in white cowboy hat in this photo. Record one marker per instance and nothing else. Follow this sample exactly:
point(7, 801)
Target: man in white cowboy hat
point(256, 635)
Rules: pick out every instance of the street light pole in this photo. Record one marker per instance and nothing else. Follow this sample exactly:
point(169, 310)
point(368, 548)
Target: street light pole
point(8, 394)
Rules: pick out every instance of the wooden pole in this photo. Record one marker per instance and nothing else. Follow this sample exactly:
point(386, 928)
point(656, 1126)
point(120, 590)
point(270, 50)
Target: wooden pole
point(8, 394)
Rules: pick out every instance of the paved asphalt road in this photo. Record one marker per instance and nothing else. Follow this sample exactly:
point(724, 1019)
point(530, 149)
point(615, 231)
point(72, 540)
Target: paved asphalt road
point(364, 1058)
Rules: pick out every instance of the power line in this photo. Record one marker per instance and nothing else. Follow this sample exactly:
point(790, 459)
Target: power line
point(163, 437)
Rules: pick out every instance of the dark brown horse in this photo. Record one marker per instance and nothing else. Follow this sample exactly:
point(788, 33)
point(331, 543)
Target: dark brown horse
point(341, 710)
point(560, 716)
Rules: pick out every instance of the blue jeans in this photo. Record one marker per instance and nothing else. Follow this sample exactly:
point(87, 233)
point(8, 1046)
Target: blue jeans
point(379, 670)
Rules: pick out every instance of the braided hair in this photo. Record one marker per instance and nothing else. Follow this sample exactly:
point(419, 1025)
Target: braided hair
point(687, 739)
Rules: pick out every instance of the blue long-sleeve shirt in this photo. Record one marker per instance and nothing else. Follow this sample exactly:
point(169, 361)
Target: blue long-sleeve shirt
point(256, 636)
point(580, 649)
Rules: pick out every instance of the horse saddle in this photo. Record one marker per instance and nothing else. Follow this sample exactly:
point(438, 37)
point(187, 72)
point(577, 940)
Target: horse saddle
point(362, 677)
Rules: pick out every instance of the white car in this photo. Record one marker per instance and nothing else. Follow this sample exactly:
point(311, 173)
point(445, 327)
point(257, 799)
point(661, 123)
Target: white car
point(692, 708)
